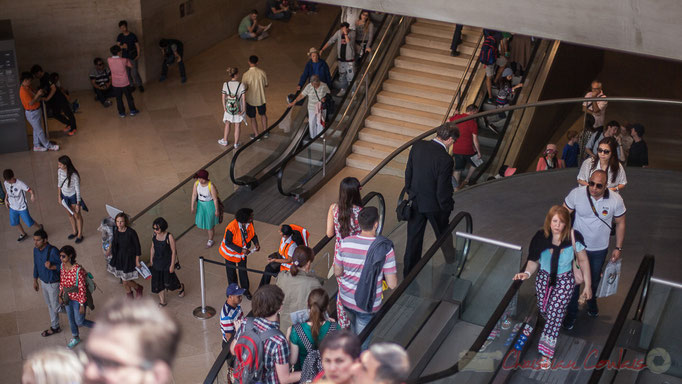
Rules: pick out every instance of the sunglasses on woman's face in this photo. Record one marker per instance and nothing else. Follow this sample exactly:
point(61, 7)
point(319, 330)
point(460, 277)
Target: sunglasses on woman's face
point(156, 228)
point(62, 256)
point(595, 185)
point(604, 151)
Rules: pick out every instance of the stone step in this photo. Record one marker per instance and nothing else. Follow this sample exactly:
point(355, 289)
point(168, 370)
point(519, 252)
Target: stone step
point(413, 102)
point(438, 42)
point(367, 163)
point(434, 54)
point(399, 113)
point(390, 139)
point(444, 24)
point(445, 31)
point(400, 127)
point(426, 91)
point(432, 79)
point(379, 151)
point(429, 66)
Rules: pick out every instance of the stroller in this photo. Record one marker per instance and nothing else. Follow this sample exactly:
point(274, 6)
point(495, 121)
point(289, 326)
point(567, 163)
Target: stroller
point(107, 230)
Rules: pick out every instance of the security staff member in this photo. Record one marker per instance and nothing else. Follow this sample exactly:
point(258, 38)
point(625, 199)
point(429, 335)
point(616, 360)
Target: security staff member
point(292, 236)
point(236, 246)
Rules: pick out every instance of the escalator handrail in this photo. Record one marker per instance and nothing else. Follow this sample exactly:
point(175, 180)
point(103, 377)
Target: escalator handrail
point(352, 85)
point(393, 298)
point(640, 282)
point(543, 103)
point(236, 181)
point(461, 81)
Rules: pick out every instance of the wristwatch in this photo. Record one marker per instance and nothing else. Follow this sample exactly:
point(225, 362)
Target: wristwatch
point(620, 248)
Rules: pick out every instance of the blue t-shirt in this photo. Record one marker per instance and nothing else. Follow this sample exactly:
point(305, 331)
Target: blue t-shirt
point(570, 155)
point(565, 258)
point(50, 253)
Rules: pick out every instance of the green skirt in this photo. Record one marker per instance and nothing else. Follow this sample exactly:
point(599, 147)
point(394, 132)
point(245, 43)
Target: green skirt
point(206, 218)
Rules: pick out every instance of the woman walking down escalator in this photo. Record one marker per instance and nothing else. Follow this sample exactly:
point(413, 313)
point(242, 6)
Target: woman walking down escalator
point(554, 249)
point(607, 161)
point(317, 93)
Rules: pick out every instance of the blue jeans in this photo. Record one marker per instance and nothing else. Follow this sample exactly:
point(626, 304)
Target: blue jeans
point(596, 259)
point(247, 36)
point(35, 118)
point(76, 319)
point(286, 15)
point(358, 322)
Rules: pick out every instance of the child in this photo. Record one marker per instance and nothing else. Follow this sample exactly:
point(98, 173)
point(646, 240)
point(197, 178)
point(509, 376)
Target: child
point(231, 315)
point(571, 150)
point(16, 202)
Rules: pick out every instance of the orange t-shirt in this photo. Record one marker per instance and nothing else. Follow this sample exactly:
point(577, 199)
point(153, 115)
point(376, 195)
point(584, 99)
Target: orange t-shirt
point(26, 94)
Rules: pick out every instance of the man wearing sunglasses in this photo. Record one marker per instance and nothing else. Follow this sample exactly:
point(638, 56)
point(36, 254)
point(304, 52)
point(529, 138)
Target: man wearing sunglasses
point(596, 208)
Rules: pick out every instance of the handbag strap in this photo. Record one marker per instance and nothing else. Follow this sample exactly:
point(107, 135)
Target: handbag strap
point(298, 328)
point(594, 210)
point(575, 250)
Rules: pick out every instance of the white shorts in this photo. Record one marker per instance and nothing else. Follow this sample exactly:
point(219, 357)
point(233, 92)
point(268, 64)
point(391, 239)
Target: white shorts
point(227, 118)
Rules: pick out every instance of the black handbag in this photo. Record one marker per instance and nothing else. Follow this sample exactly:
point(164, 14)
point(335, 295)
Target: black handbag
point(404, 208)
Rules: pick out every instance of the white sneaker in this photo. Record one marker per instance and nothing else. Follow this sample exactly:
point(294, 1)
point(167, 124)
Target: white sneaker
point(38, 148)
point(209, 244)
point(236, 145)
point(223, 142)
point(53, 147)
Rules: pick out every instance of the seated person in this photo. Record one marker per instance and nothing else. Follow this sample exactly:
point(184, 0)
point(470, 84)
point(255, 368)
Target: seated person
point(100, 78)
point(278, 9)
point(249, 28)
point(292, 236)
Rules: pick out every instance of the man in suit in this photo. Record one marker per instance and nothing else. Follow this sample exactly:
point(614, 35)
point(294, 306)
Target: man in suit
point(428, 181)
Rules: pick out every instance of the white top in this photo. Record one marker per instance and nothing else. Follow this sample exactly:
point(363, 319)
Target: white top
point(595, 230)
point(586, 172)
point(16, 194)
point(350, 15)
point(204, 192)
point(315, 95)
point(69, 189)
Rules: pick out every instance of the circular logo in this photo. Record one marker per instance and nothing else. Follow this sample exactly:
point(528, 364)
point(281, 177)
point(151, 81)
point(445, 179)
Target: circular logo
point(658, 360)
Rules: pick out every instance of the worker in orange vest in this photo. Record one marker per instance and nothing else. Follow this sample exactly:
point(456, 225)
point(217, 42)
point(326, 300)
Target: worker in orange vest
point(236, 245)
point(292, 236)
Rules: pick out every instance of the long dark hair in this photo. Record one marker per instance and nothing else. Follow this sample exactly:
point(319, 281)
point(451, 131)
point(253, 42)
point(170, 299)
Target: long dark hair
point(349, 196)
point(614, 165)
point(318, 300)
point(70, 169)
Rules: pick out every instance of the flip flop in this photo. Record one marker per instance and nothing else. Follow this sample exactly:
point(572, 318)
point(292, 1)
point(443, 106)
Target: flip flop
point(182, 291)
point(162, 304)
point(50, 331)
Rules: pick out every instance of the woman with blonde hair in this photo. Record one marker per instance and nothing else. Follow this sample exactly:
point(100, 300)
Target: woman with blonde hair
point(553, 249)
point(234, 105)
point(52, 365)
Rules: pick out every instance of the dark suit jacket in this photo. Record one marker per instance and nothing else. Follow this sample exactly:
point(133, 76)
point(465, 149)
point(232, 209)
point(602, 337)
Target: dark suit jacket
point(428, 177)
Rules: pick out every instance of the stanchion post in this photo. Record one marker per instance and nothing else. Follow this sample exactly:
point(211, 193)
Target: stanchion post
point(203, 312)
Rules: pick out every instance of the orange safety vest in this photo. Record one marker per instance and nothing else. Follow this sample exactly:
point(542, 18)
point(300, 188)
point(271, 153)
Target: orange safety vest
point(285, 245)
point(228, 253)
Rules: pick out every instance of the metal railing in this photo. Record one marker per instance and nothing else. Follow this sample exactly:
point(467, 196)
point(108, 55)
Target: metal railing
point(458, 94)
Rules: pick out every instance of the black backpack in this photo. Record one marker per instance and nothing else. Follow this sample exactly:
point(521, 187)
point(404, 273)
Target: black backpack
point(249, 353)
point(312, 365)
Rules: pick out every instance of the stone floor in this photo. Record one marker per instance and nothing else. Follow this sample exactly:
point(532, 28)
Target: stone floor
point(131, 162)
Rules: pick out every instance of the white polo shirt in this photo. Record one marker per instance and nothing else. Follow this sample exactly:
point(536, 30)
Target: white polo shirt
point(595, 231)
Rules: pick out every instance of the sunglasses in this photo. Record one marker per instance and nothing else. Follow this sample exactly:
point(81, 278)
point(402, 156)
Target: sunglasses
point(156, 228)
point(62, 256)
point(604, 151)
point(595, 185)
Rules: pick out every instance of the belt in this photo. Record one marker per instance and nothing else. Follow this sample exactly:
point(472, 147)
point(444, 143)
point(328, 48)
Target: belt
point(346, 61)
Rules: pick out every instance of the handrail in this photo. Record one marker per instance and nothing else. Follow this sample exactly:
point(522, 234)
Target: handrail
point(461, 81)
point(238, 181)
point(641, 281)
point(543, 103)
point(402, 287)
point(356, 80)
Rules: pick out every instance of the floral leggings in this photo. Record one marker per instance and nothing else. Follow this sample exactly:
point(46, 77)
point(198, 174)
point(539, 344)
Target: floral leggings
point(552, 302)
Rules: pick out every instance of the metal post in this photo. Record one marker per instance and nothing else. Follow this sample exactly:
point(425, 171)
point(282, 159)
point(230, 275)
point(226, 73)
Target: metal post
point(203, 312)
point(324, 156)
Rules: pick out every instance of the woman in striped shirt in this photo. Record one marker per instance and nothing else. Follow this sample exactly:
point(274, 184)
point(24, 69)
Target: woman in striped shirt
point(69, 196)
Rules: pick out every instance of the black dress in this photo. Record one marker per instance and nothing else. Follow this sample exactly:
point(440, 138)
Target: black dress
point(161, 276)
point(125, 246)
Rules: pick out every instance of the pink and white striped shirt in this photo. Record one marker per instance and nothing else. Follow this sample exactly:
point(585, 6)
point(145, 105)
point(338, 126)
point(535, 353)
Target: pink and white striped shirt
point(351, 257)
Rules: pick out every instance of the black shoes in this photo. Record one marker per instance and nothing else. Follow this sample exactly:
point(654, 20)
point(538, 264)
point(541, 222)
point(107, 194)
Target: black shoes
point(248, 296)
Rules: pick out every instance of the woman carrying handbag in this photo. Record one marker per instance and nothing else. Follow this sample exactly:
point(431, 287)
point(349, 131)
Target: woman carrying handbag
point(560, 254)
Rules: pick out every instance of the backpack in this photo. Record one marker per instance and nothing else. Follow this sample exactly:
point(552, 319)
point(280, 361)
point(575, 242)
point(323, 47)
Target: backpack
point(489, 52)
point(91, 286)
point(312, 365)
point(233, 104)
point(249, 353)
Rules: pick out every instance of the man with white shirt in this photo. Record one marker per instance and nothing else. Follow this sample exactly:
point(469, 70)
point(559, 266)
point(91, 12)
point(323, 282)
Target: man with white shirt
point(596, 210)
point(16, 203)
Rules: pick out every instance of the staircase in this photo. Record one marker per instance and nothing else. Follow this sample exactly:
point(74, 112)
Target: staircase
point(416, 95)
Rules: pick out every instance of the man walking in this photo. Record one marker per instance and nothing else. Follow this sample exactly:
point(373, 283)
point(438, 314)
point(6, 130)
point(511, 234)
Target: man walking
point(256, 80)
point(131, 50)
point(596, 210)
point(345, 51)
point(34, 113)
point(16, 203)
point(236, 246)
point(466, 147)
point(360, 266)
point(428, 182)
point(46, 271)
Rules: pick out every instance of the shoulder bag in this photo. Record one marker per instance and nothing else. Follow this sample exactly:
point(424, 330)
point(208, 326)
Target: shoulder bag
point(594, 210)
point(404, 208)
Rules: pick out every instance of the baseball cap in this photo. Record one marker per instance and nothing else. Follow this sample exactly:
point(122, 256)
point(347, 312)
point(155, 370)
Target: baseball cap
point(233, 289)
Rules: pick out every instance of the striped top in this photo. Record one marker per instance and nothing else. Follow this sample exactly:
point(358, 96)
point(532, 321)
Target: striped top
point(351, 257)
point(228, 316)
point(69, 188)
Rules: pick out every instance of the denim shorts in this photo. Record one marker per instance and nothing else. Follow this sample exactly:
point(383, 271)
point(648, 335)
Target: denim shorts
point(24, 215)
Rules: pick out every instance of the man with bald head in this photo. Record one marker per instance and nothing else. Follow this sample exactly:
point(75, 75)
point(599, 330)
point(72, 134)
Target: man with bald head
point(596, 108)
point(596, 210)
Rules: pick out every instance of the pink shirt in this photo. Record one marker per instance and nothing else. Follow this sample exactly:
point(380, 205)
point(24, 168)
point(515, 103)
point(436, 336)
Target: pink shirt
point(119, 76)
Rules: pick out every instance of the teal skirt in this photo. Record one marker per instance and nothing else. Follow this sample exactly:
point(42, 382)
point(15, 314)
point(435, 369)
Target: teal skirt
point(206, 218)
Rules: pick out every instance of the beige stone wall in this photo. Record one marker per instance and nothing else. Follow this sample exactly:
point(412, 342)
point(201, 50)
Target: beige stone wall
point(211, 22)
point(65, 35)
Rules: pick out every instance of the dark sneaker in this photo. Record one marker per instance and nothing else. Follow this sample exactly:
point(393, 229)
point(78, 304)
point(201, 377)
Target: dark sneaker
point(141, 89)
point(162, 78)
point(568, 323)
point(592, 309)
point(106, 103)
point(183, 80)
point(134, 112)
point(22, 237)
point(248, 296)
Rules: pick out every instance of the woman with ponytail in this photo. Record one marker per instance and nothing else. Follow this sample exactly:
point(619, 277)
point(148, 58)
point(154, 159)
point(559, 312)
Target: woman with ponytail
point(342, 218)
point(297, 284)
point(306, 337)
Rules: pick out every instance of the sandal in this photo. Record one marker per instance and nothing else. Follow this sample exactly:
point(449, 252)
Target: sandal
point(182, 290)
point(545, 363)
point(72, 236)
point(50, 331)
point(162, 304)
